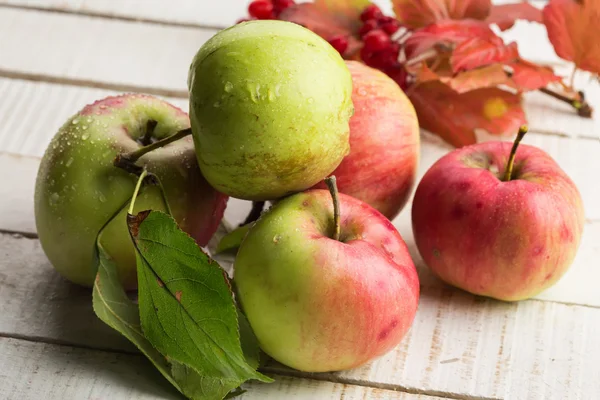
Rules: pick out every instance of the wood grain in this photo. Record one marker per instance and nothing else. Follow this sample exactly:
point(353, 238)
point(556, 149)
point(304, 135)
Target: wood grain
point(33, 371)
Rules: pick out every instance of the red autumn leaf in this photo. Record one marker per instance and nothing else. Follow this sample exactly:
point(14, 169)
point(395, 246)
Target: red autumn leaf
point(325, 22)
point(505, 15)
point(476, 52)
point(420, 13)
point(572, 27)
point(455, 117)
point(528, 76)
point(447, 32)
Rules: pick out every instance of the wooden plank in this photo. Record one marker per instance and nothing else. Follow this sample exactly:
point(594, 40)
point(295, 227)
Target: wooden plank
point(221, 13)
point(33, 371)
point(78, 48)
point(459, 345)
point(32, 111)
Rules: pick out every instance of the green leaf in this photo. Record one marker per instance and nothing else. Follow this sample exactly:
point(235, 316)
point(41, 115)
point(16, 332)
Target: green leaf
point(114, 308)
point(186, 307)
point(232, 241)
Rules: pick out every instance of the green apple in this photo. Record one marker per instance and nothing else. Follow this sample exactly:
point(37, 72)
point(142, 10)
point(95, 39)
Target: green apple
point(270, 103)
point(319, 304)
point(78, 190)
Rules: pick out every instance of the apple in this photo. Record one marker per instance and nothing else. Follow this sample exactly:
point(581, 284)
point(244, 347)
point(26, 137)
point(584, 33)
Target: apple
point(493, 232)
point(78, 190)
point(269, 107)
point(384, 143)
point(317, 303)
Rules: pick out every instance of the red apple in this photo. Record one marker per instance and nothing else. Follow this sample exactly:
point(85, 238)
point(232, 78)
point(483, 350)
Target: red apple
point(503, 238)
point(384, 143)
point(320, 304)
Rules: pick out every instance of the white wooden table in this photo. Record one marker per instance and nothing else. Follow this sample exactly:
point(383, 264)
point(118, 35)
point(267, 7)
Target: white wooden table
point(58, 55)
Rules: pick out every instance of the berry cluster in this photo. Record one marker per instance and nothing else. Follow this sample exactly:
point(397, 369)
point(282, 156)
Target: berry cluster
point(378, 51)
point(267, 9)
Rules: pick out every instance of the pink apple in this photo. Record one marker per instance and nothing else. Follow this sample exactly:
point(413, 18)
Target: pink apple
point(504, 239)
point(384, 143)
point(319, 304)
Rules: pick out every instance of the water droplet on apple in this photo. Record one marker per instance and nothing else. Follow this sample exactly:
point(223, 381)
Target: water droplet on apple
point(54, 197)
point(276, 238)
point(310, 100)
point(85, 136)
point(362, 92)
point(217, 104)
point(69, 162)
point(101, 197)
point(228, 87)
point(75, 121)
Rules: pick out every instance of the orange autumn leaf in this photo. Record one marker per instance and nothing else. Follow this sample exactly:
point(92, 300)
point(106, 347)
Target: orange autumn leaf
point(486, 77)
point(572, 28)
point(505, 15)
point(420, 13)
point(455, 117)
point(528, 76)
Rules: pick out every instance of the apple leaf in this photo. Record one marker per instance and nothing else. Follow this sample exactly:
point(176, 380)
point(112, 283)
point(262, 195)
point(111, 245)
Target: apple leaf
point(446, 32)
point(571, 25)
point(115, 309)
point(477, 52)
point(323, 20)
point(186, 306)
point(419, 13)
point(505, 15)
point(232, 241)
point(455, 117)
point(528, 76)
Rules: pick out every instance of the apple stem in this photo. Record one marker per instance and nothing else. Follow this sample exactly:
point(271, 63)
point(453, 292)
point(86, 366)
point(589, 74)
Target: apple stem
point(513, 152)
point(138, 185)
point(127, 161)
point(331, 184)
point(255, 212)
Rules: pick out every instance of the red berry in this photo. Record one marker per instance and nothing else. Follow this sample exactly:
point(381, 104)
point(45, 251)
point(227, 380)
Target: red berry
point(390, 27)
point(367, 56)
point(280, 5)
point(261, 9)
point(371, 12)
point(340, 43)
point(385, 19)
point(376, 40)
point(367, 27)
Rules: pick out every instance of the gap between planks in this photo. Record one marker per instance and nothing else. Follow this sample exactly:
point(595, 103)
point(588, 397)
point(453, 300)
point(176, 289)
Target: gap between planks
point(332, 377)
point(276, 370)
point(114, 17)
point(173, 93)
